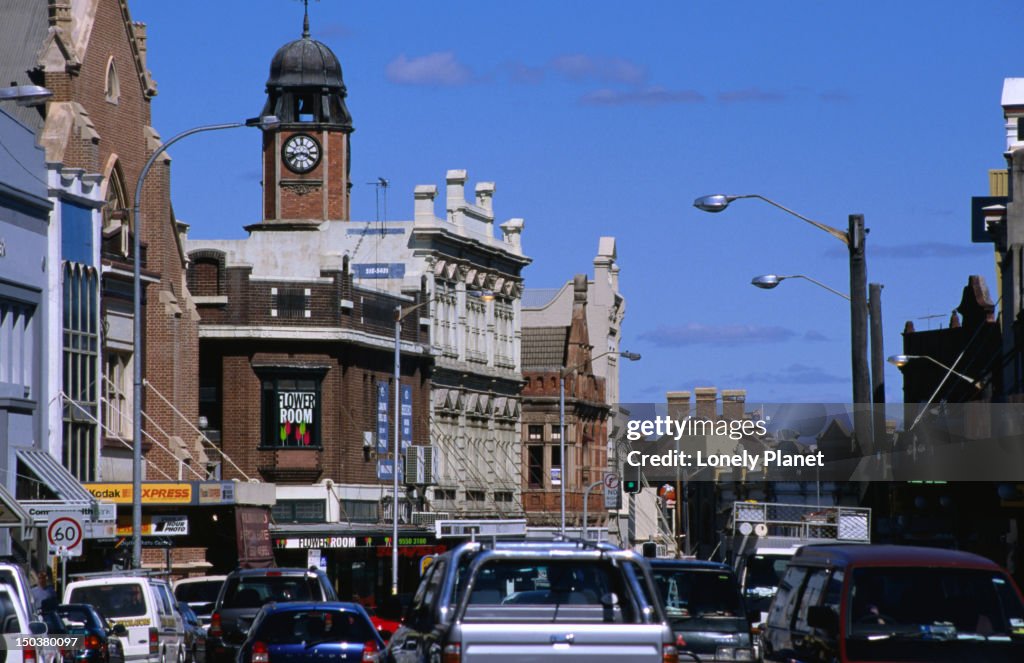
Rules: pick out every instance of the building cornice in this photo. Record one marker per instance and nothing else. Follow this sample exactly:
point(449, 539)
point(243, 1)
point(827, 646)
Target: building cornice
point(306, 334)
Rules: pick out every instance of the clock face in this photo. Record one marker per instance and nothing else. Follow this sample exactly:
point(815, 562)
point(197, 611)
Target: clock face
point(301, 153)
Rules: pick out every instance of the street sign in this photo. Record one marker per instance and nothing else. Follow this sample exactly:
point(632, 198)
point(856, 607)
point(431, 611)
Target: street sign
point(64, 536)
point(382, 417)
point(612, 494)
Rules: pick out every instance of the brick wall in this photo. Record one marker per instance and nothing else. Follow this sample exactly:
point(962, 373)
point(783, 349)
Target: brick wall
point(171, 332)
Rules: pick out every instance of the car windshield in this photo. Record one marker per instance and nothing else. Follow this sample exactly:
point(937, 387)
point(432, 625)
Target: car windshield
point(765, 571)
point(934, 603)
point(114, 601)
point(254, 591)
point(204, 591)
point(690, 593)
point(312, 626)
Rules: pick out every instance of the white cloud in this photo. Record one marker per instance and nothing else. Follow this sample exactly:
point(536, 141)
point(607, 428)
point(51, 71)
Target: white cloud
point(442, 69)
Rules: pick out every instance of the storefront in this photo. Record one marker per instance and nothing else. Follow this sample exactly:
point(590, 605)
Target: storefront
point(189, 527)
point(357, 558)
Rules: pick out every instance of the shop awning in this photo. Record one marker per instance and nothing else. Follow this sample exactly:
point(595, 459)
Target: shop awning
point(12, 515)
point(51, 488)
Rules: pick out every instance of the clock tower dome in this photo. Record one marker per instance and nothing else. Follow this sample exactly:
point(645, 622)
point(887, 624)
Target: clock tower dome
point(306, 158)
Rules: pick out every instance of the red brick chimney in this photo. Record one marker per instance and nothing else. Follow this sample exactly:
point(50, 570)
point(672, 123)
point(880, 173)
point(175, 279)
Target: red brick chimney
point(707, 407)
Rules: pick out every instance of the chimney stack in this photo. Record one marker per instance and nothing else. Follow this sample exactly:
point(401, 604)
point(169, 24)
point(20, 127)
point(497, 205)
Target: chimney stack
point(678, 404)
point(423, 197)
point(734, 403)
point(707, 406)
point(456, 195)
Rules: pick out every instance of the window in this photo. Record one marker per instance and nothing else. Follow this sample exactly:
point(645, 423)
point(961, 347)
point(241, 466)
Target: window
point(536, 433)
point(476, 495)
point(81, 370)
point(17, 344)
point(535, 466)
point(811, 596)
point(476, 323)
point(445, 319)
point(112, 86)
point(503, 496)
point(784, 604)
point(290, 303)
point(504, 335)
point(556, 432)
point(291, 410)
point(556, 456)
point(444, 493)
point(118, 385)
point(362, 511)
point(299, 511)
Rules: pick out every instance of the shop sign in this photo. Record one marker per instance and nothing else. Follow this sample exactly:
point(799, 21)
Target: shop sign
point(217, 493)
point(155, 526)
point(152, 492)
point(253, 536)
point(310, 542)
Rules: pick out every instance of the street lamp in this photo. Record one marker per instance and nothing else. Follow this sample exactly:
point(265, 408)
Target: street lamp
point(632, 356)
point(265, 123)
point(25, 95)
point(401, 312)
point(770, 281)
point(899, 361)
point(853, 238)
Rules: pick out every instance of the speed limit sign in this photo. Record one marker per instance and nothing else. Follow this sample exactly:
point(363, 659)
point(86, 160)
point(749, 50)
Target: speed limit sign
point(64, 536)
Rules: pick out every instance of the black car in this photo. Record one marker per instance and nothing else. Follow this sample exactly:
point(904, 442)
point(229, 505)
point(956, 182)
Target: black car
point(100, 641)
point(245, 591)
point(195, 634)
point(705, 608)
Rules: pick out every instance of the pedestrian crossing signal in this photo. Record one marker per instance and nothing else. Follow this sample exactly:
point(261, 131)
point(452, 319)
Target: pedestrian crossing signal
point(631, 486)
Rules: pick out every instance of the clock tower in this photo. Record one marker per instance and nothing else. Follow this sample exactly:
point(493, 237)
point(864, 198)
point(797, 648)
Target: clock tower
point(306, 158)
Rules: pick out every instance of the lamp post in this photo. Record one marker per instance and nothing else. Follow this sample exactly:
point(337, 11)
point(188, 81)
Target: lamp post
point(853, 238)
point(401, 312)
point(632, 356)
point(770, 281)
point(25, 95)
point(266, 122)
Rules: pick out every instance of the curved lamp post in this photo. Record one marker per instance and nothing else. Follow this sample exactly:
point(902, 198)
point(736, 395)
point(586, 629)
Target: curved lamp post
point(853, 238)
point(402, 312)
point(900, 361)
point(25, 95)
point(770, 281)
point(631, 356)
point(266, 122)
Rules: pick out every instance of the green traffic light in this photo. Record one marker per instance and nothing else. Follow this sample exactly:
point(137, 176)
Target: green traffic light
point(631, 486)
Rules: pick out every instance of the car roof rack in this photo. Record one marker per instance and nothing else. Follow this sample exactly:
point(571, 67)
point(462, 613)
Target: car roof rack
point(133, 573)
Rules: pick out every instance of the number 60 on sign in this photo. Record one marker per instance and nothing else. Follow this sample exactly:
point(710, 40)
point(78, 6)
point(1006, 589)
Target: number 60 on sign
point(64, 536)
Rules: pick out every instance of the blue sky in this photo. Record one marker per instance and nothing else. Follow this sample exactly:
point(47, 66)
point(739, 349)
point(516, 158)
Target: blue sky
point(602, 118)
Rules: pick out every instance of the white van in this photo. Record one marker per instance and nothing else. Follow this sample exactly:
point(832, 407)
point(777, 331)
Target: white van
point(145, 606)
point(15, 621)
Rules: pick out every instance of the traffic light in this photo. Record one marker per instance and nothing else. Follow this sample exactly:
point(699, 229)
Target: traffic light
point(631, 486)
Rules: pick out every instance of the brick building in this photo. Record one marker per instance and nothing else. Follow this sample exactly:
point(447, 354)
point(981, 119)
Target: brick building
point(548, 353)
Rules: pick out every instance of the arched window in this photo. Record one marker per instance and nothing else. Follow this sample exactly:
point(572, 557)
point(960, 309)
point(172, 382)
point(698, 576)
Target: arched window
point(116, 217)
point(112, 86)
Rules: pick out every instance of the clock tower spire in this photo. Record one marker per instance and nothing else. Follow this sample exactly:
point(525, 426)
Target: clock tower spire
point(306, 158)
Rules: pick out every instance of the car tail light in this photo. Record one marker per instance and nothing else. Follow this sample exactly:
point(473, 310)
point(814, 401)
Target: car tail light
point(680, 642)
point(28, 655)
point(92, 642)
point(260, 654)
point(452, 653)
point(370, 652)
point(669, 654)
point(154, 640)
point(215, 630)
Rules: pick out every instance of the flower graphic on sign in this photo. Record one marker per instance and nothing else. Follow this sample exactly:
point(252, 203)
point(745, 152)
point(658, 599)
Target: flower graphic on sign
point(296, 410)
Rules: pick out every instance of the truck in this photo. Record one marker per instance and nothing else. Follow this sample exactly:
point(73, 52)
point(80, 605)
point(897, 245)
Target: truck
point(539, 601)
point(764, 536)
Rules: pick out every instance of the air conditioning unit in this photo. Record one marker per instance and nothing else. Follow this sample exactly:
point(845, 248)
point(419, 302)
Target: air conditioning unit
point(427, 518)
point(419, 465)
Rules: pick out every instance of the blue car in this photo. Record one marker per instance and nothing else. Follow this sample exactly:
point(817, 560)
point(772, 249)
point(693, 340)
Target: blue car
point(311, 632)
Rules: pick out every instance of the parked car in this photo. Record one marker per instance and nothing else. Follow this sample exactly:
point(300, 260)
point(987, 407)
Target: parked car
point(14, 620)
point(245, 591)
point(311, 632)
point(195, 634)
point(200, 593)
point(705, 608)
point(850, 603)
point(13, 575)
point(535, 601)
point(144, 605)
point(101, 642)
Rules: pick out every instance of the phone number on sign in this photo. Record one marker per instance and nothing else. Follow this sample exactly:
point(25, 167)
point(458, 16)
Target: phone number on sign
point(33, 641)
